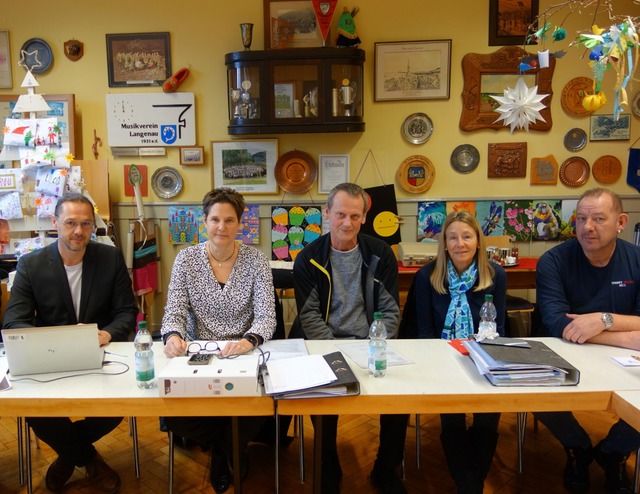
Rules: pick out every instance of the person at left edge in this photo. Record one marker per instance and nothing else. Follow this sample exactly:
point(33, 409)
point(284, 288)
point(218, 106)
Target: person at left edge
point(74, 281)
point(219, 290)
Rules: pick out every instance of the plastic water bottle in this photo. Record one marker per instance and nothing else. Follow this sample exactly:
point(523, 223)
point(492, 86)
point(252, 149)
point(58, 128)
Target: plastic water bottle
point(488, 313)
point(377, 347)
point(145, 372)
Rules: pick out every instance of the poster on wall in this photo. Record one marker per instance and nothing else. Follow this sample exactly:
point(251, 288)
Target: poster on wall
point(490, 216)
point(292, 228)
point(568, 219)
point(455, 206)
point(546, 219)
point(517, 220)
point(382, 217)
point(431, 216)
point(186, 225)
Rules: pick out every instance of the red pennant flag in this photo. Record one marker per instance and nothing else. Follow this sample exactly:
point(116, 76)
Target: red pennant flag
point(324, 10)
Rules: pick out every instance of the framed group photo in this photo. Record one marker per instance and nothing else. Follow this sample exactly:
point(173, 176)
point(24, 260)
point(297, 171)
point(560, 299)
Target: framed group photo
point(290, 24)
point(192, 155)
point(246, 166)
point(509, 21)
point(412, 70)
point(139, 59)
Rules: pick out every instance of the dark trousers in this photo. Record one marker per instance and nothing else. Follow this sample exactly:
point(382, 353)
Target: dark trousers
point(469, 452)
point(622, 439)
point(215, 432)
point(393, 431)
point(73, 441)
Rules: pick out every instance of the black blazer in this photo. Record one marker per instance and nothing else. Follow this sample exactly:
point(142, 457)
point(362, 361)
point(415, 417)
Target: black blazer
point(40, 295)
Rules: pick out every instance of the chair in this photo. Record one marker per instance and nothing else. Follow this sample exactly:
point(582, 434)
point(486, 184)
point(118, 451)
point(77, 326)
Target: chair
point(275, 427)
point(133, 432)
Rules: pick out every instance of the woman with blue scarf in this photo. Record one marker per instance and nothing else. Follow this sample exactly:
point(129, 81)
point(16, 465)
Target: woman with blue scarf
point(449, 293)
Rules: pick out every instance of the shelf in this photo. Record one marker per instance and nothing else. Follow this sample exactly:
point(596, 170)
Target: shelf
point(302, 90)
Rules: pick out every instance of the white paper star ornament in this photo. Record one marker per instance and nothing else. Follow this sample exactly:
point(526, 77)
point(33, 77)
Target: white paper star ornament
point(520, 106)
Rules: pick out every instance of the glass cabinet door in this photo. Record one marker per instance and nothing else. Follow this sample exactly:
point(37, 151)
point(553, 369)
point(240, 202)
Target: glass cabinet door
point(244, 92)
point(346, 90)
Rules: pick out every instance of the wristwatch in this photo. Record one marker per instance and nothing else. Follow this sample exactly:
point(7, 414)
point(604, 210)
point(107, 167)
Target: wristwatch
point(607, 319)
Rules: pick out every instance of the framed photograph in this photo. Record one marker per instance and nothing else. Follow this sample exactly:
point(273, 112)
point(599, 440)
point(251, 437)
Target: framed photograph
point(192, 155)
point(509, 21)
point(5, 61)
point(409, 70)
point(283, 100)
point(290, 24)
point(334, 170)
point(62, 107)
point(246, 166)
point(607, 128)
point(141, 59)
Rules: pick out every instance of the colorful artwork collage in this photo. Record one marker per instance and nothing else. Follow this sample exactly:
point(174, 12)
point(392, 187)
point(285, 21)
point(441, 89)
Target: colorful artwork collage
point(292, 228)
point(186, 225)
point(522, 220)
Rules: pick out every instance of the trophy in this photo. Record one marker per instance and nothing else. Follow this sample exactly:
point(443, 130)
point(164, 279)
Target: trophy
point(247, 30)
point(347, 97)
point(235, 99)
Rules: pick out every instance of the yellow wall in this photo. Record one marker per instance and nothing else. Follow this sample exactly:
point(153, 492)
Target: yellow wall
point(203, 32)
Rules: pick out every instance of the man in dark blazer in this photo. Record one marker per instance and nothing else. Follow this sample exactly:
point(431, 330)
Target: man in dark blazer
point(74, 281)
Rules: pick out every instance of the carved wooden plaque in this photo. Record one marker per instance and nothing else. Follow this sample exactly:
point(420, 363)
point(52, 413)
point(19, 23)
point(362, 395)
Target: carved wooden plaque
point(544, 171)
point(477, 110)
point(507, 160)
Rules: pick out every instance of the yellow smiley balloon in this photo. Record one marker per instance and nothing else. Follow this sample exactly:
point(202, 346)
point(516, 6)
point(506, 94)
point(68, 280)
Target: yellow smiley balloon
point(385, 224)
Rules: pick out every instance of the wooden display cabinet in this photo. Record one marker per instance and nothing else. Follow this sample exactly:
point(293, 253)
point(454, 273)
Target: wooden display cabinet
point(295, 91)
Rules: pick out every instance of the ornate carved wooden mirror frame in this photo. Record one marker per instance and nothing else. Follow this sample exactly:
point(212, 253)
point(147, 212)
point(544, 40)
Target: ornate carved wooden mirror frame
point(477, 107)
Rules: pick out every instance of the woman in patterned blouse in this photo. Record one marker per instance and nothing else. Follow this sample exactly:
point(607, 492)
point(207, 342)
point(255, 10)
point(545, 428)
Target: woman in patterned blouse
point(219, 290)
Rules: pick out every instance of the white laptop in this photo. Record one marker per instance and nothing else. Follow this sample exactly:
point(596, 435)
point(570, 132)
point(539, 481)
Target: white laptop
point(52, 349)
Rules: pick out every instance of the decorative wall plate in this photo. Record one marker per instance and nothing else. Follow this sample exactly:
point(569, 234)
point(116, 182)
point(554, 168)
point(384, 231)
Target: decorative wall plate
point(575, 140)
point(417, 128)
point(574, 172)
point(36, 55)
point(465, 158)
point(166, 182)
point(607, 169)
point(296, 172)
point(573, 93)
point(416, 174)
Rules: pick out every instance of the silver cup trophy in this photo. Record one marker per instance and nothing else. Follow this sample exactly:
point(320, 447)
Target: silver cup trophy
point(347, 97)
point(247, 33)
point(235, 99)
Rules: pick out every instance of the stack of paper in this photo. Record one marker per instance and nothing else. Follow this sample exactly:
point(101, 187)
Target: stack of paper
point(310, 376)
point(513, 362)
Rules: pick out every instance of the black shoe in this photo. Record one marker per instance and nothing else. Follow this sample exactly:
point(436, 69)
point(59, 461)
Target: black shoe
point(576, 472)
point(220, 474)
point(331, 477)
point(387, 480)
point(58, 475)
point(615, 471)
point(101, 476)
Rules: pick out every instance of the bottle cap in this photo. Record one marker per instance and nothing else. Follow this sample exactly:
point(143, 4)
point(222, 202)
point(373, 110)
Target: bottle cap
point(488, 297)
point(142, 325)
point(377, 316)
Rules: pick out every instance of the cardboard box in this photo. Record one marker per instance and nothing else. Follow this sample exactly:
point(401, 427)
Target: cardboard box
point(220, 377)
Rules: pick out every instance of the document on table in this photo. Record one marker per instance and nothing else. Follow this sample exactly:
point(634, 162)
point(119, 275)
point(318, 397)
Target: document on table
point(358, 351)
point(629, 361)
point(279, 349)
point(4, 368)
point(297, 373)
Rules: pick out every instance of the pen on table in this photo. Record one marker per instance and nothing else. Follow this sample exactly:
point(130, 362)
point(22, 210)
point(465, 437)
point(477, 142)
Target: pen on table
point(636, 357)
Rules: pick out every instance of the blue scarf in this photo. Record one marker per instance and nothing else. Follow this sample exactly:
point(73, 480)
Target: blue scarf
point(459, 321)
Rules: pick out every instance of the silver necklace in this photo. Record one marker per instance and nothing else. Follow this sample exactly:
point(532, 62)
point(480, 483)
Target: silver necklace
point(218, 260)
